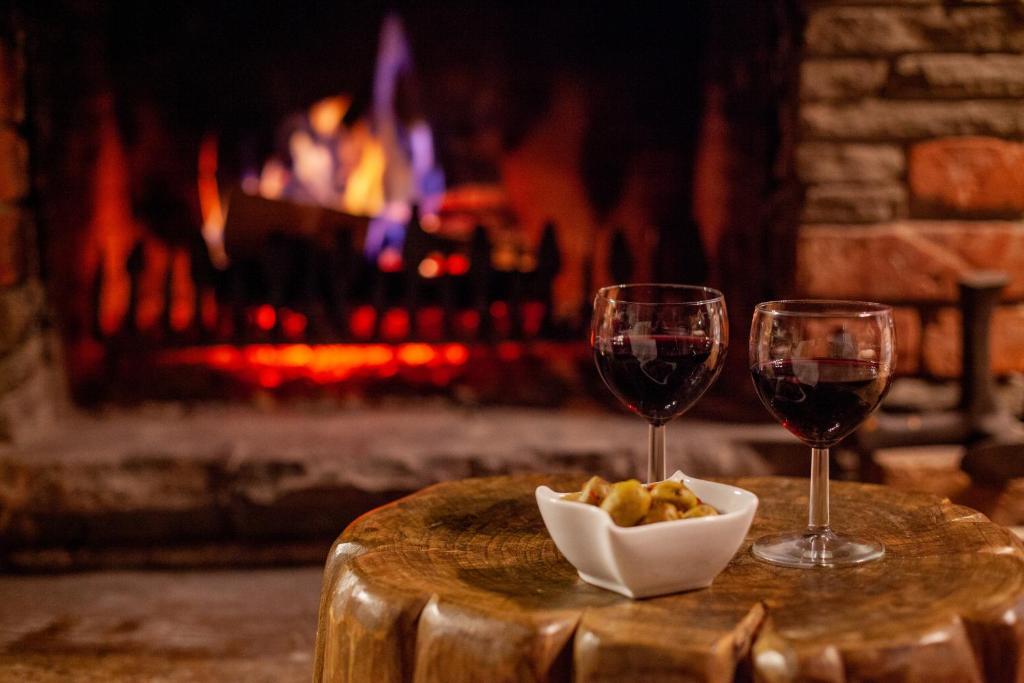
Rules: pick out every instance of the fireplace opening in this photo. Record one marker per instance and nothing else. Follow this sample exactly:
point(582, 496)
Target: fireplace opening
point(344, 201)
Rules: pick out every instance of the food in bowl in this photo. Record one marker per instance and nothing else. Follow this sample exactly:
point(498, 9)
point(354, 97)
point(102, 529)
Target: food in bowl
point(649, 559)
point(630, 503)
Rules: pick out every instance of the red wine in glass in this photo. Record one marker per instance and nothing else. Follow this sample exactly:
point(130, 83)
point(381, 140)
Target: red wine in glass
point(658, 376)
point(658, 347)
point(820, 368)
point(821, 400)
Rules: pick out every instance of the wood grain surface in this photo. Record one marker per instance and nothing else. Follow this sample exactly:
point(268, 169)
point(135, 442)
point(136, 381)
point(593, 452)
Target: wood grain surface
point(461, 582)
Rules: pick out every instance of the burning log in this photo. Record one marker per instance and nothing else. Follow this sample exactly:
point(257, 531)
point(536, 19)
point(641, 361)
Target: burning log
point(251, 219)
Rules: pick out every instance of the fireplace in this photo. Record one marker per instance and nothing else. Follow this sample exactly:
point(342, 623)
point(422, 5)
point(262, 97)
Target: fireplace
point(841, 150)
point(209, 235)
point(191, 337)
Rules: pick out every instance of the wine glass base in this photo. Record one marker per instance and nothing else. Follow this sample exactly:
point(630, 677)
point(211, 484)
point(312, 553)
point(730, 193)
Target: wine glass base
point(823, 548)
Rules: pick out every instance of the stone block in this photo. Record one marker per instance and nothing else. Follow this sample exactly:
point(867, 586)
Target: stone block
point(988, 245)
point(908, 339)
point(886, 30)
point(825, 162)
point(19, 314)
point(21, 363)
point(970, 176)
point(145, 479)
point(832, 79)
point(927, 469)
point(957, 75)
point(877, 119)
point(906, 261)
point(942, 348)
point(31, 409)
point(137, 500)
point(854, 203)
point(13, 166)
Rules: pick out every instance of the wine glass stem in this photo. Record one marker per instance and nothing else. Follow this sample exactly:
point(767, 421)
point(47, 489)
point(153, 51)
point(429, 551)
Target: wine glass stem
point(656, 453)
point(817, 517)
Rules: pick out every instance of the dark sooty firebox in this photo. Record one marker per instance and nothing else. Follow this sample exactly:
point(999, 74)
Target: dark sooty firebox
point(341, 200)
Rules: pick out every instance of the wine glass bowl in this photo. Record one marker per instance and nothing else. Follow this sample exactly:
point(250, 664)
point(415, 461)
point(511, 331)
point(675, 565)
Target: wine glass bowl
point(658, 348)
point(820, 368)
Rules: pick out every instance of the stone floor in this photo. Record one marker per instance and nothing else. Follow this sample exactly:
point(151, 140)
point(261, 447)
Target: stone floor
point(222, 487)
point(215, 486)
point(215, 626)
point(199, 626)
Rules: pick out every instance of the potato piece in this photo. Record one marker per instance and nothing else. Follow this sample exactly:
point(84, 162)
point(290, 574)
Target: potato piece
point(576, 496)
point(661, 512)
point(702, 510)
point(627, 502)
point(594, 491)
point(676, 493)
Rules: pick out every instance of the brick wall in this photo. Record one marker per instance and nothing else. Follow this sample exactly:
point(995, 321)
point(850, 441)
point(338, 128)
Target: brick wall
point(29, 391)
point(912, 163)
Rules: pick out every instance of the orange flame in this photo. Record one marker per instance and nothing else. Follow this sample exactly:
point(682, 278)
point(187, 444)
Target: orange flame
point(112, 229)
point(271, 365)
point(209, 201)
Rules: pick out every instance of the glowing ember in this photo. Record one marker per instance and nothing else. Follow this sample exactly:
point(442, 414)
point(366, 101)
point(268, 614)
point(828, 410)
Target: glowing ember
point(509, 351)
point(270, 366)
point(457, 264)
point(456, 354)
point(432, 266)
point(270, 379)
point(533, 316)
point(390, 260)
point(265, 317)
point(499, 310)
point(293, 324)
point(430, 322)
point(362, 321)
point(395, 324)
point(416, 354)
point(468, 321)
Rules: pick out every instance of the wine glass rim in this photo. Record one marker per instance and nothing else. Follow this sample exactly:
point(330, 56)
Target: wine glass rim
point(824, 308)
point(711, 294)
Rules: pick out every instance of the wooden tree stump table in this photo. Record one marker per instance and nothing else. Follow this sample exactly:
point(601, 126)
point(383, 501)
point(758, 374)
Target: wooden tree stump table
point(461, 582)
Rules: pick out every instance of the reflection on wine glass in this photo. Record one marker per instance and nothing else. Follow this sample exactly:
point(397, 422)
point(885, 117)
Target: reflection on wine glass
point(820, 368)
point(658, 348)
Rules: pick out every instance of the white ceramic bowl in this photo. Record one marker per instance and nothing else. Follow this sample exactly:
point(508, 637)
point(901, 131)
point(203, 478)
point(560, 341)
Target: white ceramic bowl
point(652, 559)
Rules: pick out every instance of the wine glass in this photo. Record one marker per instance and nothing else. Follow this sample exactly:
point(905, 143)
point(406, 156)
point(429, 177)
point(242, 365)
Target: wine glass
point(820, 368)
point(658, 348)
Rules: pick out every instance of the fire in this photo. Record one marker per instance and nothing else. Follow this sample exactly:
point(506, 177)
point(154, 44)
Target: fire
point(378, 166)
point(112, 229)
point(457, 264)
point(270, 365)
point(432, 266)
point(325, 116)
point(416, 354)
point(265, 317)
point(333, 165)
point(209, 201)
point(364, 189)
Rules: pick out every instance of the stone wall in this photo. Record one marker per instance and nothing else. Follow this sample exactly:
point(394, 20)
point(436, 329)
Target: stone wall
point(28, 388)
point(912, 163)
